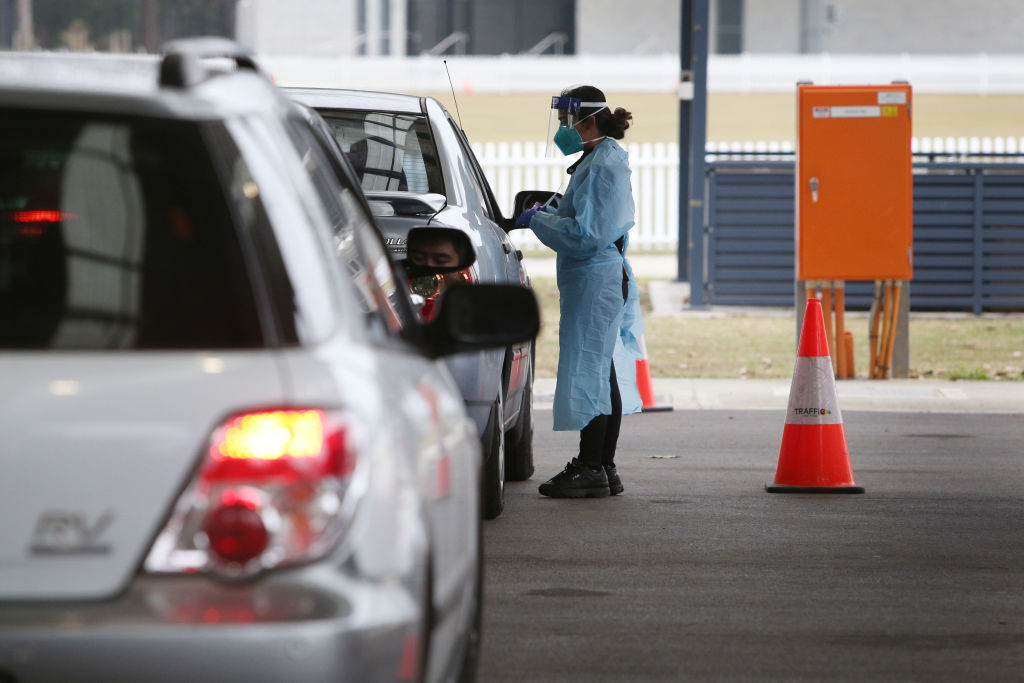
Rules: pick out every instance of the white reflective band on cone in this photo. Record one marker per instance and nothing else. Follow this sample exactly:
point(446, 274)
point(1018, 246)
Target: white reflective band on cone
point(812, 398)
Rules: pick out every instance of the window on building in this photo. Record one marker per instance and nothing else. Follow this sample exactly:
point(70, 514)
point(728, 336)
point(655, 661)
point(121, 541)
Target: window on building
point(729, 27)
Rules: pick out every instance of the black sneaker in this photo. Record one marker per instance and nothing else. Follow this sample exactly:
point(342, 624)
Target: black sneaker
point(576, 481)
point(614, 483)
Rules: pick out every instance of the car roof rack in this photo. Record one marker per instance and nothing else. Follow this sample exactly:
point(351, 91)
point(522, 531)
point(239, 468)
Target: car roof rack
point(181, 66)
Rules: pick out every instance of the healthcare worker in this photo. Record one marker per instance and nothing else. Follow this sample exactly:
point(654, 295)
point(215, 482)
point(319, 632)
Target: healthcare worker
point(600, 314)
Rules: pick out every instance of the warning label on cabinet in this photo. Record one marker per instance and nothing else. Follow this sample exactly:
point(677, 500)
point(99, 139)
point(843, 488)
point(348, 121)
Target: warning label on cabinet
point(866, 112)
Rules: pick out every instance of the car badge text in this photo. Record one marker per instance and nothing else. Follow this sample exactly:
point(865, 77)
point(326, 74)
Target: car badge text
point(60, 532)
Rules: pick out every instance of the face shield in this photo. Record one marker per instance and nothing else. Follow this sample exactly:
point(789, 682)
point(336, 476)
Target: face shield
point(566, 113)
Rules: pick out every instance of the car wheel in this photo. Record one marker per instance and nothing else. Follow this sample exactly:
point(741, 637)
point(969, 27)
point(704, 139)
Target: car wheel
point(493, 479)
point(519, 440)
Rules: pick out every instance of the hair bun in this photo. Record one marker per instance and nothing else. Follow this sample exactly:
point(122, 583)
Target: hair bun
point(620, 122)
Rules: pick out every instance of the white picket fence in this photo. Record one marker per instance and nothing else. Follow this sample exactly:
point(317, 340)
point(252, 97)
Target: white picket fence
point(515, 166)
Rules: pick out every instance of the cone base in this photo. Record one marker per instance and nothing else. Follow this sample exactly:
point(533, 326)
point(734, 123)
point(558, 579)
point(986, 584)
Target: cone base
point(780, 488)
point(656, 409)
point(814, 457)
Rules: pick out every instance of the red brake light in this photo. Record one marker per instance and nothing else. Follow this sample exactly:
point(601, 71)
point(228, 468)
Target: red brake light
point(271, 436)
point(41, 216)
point(272, 490)
point(235, 529)
point(285, 445)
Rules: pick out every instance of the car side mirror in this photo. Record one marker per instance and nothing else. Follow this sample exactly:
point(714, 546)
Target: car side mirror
point(527, 198)
point(437, 251)
point(477, 317)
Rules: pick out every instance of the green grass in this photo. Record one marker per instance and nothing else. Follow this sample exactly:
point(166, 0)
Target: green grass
point(764, 346)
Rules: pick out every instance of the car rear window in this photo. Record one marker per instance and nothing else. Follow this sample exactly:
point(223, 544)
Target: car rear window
point(388, 151)
point(115, 234)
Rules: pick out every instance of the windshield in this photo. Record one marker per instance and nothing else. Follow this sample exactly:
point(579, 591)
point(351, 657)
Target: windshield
point(114, 234)
point(389, 152)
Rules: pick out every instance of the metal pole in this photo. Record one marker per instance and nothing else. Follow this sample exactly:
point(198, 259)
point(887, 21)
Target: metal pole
point(24, 33)
point(685, 105)
point(151, 26)
point(698, 135)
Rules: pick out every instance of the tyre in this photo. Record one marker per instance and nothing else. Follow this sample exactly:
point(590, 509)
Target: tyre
point(519, 440)
point(493, 476)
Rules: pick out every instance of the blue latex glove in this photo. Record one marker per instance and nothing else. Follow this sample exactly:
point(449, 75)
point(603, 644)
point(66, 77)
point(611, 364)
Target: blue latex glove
point(524, 218)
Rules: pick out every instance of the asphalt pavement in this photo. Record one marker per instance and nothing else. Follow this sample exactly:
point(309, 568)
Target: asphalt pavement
point(696, 573)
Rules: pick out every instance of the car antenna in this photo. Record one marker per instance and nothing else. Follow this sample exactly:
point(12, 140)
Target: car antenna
point(453, 91)
point(457, 113)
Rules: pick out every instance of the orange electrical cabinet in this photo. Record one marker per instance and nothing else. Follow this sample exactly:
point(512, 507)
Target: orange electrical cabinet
point(854, 185)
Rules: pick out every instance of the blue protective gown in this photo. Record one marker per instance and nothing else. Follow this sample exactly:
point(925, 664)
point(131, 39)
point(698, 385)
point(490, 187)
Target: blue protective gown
point(595, 325)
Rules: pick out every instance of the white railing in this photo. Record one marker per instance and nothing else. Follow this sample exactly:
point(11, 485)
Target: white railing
point(963, 146)
point(515, 166)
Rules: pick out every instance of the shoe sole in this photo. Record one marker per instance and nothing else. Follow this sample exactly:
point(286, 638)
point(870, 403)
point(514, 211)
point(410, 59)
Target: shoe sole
point(616, 490)
point(575, 493)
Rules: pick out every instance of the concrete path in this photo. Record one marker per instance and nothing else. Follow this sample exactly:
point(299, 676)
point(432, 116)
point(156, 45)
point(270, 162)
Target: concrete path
point(899, 395)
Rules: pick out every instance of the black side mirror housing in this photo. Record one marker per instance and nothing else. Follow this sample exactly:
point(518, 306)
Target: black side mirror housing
point(527, 198)
point(480, 316)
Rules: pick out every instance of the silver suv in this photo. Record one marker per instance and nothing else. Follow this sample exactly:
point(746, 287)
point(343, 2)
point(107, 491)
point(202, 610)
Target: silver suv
point(228, 453)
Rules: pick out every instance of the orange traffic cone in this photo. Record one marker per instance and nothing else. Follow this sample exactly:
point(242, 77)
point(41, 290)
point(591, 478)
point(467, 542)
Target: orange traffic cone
point(813, 457)
point(644, 385)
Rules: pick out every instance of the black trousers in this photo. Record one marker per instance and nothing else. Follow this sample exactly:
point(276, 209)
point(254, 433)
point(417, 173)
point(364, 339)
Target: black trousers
point(599, 438)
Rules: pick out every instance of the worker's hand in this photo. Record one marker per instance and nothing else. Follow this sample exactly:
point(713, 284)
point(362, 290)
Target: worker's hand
point(524, 218)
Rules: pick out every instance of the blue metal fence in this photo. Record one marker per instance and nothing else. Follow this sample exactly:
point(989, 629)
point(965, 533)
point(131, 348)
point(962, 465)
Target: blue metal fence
point(968, 236)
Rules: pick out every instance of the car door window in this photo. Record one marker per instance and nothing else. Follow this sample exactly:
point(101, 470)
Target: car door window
point(357, 246)
point(388, 151)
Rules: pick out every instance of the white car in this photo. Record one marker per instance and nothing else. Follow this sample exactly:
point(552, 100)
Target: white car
point(417, 169)
point(228, 452)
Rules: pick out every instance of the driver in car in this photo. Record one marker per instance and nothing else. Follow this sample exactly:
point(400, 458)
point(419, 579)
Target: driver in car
point(435, 250)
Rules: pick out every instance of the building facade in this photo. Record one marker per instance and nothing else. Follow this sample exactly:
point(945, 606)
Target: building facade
point(345, 28)
point(920, 27)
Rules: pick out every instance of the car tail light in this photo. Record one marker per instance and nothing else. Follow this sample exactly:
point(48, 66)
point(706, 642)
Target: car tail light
point(431, 287)
point(275, 488)
point(31, 222)
point(40, 216)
